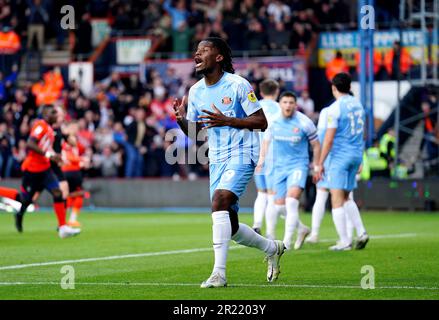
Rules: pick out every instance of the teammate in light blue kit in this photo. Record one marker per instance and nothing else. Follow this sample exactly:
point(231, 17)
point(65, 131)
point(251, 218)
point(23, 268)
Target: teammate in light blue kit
point(225, 105)
point(319, 206)
point(264, 202)
point(290, 136)
point(344, 145)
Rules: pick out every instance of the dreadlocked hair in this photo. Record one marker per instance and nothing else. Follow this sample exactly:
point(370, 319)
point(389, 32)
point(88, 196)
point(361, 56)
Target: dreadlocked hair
point(225, 51)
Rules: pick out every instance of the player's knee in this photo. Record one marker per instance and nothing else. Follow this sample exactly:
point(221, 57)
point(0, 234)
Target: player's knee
point(57, 195)
point(221, 201)
point(24, 198)
point(294, 193)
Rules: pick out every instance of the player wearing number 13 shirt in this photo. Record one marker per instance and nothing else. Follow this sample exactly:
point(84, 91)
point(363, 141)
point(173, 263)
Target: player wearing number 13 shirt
point(343, 144)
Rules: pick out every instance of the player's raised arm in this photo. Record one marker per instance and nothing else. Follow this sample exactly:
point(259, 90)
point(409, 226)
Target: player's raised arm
point(180, 114)
point(255, 121)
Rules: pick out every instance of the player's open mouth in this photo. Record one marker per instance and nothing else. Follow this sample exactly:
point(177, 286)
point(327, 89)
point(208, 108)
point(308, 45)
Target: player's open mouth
point(198, 62)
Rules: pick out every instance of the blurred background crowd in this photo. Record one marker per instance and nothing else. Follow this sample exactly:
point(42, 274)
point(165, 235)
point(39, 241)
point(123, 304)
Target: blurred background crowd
point(123, 121)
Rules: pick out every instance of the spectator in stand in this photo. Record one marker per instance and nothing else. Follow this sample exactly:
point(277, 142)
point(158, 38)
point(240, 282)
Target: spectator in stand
point(256, 37)
point(5, 13)
point(217, 30)
point(6, 158)
point(300, 37)
point(177, 11)
point(336, 65)
point(123, 20)
point(136, 148)
point(377, 62)
point(9, 41)
point(181, 39)
point(279, 10)
point(85, 135)
point(306, 105)
point(113, 81)
point(391, 58)
point(38, 18)
point(83, 45)
point(212, 8)
point(278, 37)
point(19, 154)
point(431, 129)
point(107, 163)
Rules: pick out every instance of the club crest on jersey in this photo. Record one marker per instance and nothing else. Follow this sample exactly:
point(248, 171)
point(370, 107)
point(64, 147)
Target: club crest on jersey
point(252, 97)
point(226, 100)
point(296, 130)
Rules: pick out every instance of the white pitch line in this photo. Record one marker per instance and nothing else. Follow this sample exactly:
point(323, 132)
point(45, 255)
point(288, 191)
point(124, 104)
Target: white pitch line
point(126, 256)
point(237, 285)
point(163, 253)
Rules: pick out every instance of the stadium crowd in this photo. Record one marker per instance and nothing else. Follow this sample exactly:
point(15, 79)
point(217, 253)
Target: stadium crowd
point(181, 23)
point(124, 121)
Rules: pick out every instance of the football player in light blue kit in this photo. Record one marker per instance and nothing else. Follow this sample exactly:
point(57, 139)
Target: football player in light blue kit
point(344, 145)
point(319, 207)
point(291, 134)
point(225, 105)
point(264, 202)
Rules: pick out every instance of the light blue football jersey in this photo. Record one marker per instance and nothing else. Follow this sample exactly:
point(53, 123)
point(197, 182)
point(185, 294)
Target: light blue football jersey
point(347, 115)
point(234, 97)
point(290, 138)
point(321, 125)
point(272, 111)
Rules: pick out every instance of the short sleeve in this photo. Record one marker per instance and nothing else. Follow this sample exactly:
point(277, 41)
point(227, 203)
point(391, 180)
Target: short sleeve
point(247, 98)
point(192, 112)
point(333, 115)
point(322, 123)
point(38, 131)
point(310, 129)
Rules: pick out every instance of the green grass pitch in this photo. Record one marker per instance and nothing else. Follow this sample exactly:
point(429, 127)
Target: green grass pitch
point(145, 260)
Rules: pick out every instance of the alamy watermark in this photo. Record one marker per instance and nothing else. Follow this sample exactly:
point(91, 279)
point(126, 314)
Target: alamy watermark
point(67, 281)
point(368, 280)
point(368, 19)
point(68, 20)
point(238, 145)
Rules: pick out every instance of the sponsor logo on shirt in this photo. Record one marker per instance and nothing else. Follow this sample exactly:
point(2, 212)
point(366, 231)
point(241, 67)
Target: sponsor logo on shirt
point(293, 139)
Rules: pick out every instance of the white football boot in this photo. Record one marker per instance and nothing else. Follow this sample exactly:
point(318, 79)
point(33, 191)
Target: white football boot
point(301, 235)
point(10, 205)
point(273, 261)
point(362, 241)
point(65, 231)
point(312, 239)
point(341, 247)
point(216, 280)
